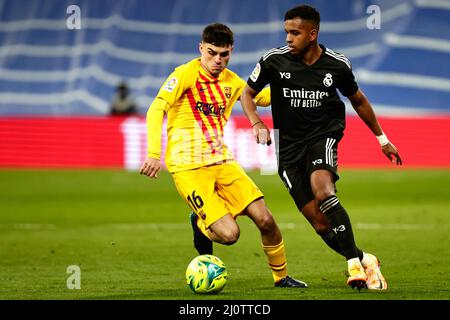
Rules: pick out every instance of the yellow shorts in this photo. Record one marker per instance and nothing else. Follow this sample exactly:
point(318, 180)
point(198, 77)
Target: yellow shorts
point(216, 190)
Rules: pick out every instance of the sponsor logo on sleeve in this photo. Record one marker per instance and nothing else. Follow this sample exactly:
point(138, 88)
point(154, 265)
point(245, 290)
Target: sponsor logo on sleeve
point(255, 73)
point(171, 84)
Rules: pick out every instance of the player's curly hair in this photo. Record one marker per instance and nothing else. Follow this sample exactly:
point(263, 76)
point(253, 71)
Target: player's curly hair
point(218, 34)
point(304, 12)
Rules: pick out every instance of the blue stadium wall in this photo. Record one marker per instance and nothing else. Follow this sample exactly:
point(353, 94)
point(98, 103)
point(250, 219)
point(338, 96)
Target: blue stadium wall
point(48, 69)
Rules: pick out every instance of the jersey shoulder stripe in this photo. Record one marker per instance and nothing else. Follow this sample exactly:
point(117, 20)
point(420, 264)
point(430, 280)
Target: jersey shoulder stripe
point(334, 53)
point(338, 56)
point(270, 51)
point(273, 51)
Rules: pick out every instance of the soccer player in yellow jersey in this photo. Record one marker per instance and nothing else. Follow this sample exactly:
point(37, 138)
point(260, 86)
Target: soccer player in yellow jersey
point(198, 98)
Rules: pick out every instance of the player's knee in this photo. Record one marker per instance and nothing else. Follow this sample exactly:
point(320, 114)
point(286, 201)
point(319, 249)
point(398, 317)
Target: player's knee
point(230, 236)
point(321, 195)
point(266, 223)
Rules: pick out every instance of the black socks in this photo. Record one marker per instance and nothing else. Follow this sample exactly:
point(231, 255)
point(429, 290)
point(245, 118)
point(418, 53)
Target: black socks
point(341, 226)
point(331, 241)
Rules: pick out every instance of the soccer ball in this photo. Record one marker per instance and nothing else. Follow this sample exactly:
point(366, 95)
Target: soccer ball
point(206, 274)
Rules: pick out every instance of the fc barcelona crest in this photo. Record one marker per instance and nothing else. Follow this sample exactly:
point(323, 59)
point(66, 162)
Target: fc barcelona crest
point(228, 92)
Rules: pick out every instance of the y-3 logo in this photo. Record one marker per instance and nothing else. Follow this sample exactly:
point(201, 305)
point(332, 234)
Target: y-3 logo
point(286, 75)
point(339, 228)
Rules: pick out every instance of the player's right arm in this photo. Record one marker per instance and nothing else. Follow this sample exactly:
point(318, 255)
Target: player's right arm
point(255, 84)
point(168, 96)
point(261, 132)
point(155, 117)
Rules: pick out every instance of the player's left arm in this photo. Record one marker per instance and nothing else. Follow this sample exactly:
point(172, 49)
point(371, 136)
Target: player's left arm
point(365, 111)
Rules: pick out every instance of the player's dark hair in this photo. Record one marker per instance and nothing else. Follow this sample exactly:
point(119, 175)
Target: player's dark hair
point(218, 34)
point(304, 12)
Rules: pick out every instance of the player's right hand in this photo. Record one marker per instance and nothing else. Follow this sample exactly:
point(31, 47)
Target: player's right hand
point(262, 133)
point(151, 167)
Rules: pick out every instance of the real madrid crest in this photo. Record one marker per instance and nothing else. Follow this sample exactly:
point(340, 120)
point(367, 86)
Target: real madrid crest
point(328, 80)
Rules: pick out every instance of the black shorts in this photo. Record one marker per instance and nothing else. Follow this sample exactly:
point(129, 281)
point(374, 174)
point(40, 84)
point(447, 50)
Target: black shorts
point(321, 154)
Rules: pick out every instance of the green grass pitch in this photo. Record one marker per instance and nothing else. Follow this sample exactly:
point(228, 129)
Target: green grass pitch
point(131, 237)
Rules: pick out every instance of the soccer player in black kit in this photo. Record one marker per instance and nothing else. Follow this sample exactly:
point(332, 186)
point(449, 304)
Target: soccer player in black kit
point(304, 77)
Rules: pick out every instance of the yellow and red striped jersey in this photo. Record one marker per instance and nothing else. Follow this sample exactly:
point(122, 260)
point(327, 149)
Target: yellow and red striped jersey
point(198, 107)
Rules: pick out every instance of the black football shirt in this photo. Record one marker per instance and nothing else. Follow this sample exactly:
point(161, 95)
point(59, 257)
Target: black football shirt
point(305, 103)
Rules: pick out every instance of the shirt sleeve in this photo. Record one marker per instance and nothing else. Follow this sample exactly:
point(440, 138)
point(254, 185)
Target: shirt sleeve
point(259, 77)
point(155, 117)
point(263, 97)
point(170, 92)
point(348, 85)
point(175, 85)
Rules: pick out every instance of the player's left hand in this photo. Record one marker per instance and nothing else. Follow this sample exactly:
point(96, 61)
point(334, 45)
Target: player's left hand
point(392, 153)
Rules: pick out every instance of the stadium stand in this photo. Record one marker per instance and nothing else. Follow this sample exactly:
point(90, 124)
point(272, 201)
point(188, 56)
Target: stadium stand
point(58, 75)
point(48, 69)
